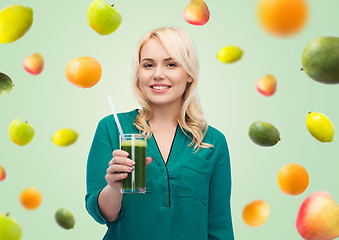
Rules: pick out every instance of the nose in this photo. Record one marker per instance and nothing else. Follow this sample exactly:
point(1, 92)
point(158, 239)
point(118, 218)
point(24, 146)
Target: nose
point(159, 73)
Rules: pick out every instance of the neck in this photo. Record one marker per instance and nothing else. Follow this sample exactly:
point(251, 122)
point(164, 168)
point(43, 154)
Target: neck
point(165, 116)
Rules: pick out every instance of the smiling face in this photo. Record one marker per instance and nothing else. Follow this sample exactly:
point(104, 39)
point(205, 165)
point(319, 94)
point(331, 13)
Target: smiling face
point(162, 80)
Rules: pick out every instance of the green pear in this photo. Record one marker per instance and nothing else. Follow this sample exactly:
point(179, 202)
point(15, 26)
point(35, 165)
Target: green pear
point(320, 60)
point(10, 229)
point(21, 133)
point(103, 18)
point(15, 20)
point(6, 84)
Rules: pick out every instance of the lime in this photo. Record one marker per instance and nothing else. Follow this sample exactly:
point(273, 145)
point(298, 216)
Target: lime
point(264, 134)
point(6, 84)
point(320, 127)
point(229, 54)
point(64, 218)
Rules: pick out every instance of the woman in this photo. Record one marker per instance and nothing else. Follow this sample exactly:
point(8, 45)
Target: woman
point(188, 176)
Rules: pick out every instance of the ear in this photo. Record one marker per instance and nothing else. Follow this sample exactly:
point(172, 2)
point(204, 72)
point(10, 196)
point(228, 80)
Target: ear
point(190, 79)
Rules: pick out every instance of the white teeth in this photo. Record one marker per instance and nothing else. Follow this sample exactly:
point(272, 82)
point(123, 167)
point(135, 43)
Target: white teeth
point(160, 87)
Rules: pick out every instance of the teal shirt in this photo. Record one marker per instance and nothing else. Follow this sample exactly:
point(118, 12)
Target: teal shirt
point(187, 198)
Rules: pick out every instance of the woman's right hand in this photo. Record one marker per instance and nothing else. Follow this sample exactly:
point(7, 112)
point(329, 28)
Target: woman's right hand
point(119, 167)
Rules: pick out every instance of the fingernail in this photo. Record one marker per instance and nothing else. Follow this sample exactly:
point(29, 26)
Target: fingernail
point(132, 163)
point(131, 168)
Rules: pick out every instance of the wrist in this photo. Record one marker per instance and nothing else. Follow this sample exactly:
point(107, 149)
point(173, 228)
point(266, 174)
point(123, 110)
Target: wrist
point(114, 187)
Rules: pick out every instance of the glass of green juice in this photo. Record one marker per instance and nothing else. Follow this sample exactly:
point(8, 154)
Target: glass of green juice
point(135, 145)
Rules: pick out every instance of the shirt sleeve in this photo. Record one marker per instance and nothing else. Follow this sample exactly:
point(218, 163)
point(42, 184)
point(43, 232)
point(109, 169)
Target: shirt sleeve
point(99, 155)
point(219, 208)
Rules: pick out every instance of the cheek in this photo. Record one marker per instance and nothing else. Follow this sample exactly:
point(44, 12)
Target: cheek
point(143, 78)
point(142, 83)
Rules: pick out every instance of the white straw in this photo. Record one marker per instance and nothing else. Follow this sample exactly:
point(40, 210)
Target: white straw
point(115, 116)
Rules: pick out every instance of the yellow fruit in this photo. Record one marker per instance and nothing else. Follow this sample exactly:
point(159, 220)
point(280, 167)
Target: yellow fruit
point(15, 21)
point(64, 137)
point(229, 54)
point(320, 127)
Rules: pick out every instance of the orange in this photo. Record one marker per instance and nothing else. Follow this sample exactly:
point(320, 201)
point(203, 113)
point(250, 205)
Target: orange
point(256, 213)
point(293, 179)
point(282, 17)
point(83, 72)
point(30, 198)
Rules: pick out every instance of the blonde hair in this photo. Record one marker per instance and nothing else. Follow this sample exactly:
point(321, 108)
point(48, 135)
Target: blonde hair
point(180, 47)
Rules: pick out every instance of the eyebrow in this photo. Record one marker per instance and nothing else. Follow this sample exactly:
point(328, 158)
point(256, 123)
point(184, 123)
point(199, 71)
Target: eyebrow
point(151, 60)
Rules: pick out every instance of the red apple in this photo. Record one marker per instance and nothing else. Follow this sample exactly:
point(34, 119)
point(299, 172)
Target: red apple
point(196, 13)
point(267, 85)
point(318, 217)
point(34, 63)
point(2, 173)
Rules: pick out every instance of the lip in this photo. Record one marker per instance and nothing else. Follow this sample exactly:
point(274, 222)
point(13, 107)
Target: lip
point(159, 90)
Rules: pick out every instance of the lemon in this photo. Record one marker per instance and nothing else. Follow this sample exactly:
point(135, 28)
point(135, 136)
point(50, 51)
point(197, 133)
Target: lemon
point(264, 134)
point(320, 127)
point(64, 137)
point(15, 20)
point(229, 54)
point(64, 218)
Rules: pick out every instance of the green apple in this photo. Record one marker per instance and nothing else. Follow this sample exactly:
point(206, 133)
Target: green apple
point(10, 229)
point(6, 84)
point(103, 18)
point(21, 133)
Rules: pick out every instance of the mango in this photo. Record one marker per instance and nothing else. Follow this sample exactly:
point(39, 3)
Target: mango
point(320, 60)
point(264, 134)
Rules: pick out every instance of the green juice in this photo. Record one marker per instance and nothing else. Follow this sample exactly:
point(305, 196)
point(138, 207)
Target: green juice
point(136, 180)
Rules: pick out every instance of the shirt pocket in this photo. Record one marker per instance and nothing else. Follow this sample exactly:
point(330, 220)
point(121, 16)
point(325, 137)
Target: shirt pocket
point(195, 177)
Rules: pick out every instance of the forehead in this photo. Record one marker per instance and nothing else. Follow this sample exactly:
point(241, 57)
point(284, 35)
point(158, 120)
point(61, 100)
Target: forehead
point(153, 48)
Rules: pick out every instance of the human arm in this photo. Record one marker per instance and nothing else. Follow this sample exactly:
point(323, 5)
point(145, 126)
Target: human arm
point(110, 197)
point(219, 210)
point(104, 142)
point(103, 198)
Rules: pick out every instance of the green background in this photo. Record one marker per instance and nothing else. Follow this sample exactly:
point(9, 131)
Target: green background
point(227, 92)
